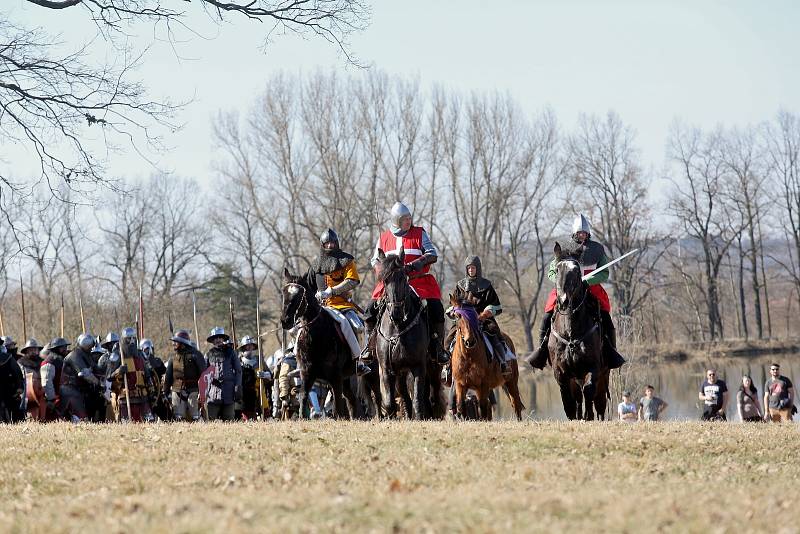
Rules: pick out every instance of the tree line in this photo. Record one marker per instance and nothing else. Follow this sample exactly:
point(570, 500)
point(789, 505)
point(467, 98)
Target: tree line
point(719, 249)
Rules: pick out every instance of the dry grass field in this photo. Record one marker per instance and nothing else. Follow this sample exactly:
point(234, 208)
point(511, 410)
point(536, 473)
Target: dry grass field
point(402, 476)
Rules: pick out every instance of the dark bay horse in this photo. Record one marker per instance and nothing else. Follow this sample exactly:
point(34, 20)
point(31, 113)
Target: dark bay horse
point(474, 369)
point(402, 340)
point(321, 353)
point(575, 343)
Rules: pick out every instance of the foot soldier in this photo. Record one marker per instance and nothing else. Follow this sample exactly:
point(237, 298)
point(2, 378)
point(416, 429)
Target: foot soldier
point(110, 346)
point(591, 255)
point(248, 407)
point(31, 364)
point(78, 381)
point(486, 303)
point(333, 277)
point(98, 403)
point(53, 355)
point(12, 386)
point(10, 346)
point(182, 373)
point(226, 381)
point(141, 392)
point(419, 255)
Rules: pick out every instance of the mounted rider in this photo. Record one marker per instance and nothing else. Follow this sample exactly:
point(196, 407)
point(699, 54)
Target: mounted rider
point(333, 277)
point(591, 255)
point(487, 305)
point(420, 254)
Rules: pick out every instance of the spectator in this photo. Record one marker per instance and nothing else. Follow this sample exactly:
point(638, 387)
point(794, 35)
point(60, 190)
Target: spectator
point(714, 394)
point(778, 396)
point(747, 401)
point(650, 406)
point(626, 409)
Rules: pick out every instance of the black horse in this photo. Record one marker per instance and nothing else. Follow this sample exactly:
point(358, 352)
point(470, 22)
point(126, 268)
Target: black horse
point(576, 343)
point(321, 352)
point(402, 342)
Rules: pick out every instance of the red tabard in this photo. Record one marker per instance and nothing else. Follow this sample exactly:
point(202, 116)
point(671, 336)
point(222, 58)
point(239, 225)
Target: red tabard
point(422, 281)
point(596, 290)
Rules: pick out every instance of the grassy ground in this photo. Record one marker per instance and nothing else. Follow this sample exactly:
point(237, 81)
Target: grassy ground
point(443, 477)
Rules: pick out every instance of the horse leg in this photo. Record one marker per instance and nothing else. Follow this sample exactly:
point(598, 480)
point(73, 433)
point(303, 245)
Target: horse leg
point(420, 392)
point(460, 400)
point(484, 405)
point(601, 394)
point(589, 391)
point(567, 397)
point(402, 386)
point(374, 381)
point(353, 401)
point(511, 387)
point(388, 389)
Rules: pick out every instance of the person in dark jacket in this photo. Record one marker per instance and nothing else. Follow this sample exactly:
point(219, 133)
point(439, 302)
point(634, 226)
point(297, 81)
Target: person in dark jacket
point(181, 379)
point(226, 382)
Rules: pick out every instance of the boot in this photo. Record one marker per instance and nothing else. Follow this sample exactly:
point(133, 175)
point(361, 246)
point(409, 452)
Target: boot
point(366, 353)
point(500, 353)
point(539, 358)
point(440, 354)
point(613, 358)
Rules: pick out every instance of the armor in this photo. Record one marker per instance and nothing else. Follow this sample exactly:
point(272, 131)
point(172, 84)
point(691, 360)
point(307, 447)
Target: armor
point(146, 344)
point(247, 340)
point(111, 339)
point(182, 337)
point(129, 332)
point(476, 284)
point(399, 210)
point(32, 344)
point(9, 343)
point(216, 332)
point(85, 342)
point(329, 236)
point(57, 343)
point(581, 224)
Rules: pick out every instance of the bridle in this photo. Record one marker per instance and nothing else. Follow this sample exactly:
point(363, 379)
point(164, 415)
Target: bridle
point(401, 302)
point(303, 304)
point(570, 310)
point(464, 340)
point(572, 342)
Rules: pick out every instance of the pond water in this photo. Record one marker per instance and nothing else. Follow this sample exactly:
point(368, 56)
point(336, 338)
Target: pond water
point(676, 383)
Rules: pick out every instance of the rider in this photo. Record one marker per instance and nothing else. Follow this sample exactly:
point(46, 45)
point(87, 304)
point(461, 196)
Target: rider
point(488, 307)
point(333, 277)
point(591, 255)
point(419, 255)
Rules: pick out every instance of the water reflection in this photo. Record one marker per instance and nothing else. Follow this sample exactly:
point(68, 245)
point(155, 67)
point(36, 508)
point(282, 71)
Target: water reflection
point(678, 384)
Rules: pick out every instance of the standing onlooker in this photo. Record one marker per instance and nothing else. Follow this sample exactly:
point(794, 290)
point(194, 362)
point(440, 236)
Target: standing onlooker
point(747, 401)
point(627, 409)
point(714, 394)
point(650, 406)
point(778, 396)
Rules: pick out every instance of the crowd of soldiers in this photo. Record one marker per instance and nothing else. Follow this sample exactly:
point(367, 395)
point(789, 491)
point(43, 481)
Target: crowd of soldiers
point(120, 378)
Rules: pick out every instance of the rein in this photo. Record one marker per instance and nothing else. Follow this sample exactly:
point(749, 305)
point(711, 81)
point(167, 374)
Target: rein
point(572, 342)
point(393, 338)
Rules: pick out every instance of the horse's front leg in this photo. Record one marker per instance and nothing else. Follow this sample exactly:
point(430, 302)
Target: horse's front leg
point(567, 397)
point(340, 408)
point(388, 392)
point(419, 392)
point(402, 387)
point(484, 404)
point(589, 390)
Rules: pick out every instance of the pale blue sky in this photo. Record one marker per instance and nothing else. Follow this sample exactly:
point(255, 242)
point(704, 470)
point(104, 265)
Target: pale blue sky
point(733, 62)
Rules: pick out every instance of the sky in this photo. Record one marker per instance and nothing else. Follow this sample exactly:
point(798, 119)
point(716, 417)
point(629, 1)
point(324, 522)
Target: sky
point(708, 63)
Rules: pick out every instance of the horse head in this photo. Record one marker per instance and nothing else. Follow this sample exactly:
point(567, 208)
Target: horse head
point(467, 323)
point(296, 299)
point(569, 278)
point(395, 283)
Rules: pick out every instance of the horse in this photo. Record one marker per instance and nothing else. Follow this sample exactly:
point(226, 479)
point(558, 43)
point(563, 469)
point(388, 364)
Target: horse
point(474, 368)
point(575, 343)
point(320, 351)
point(402, 341)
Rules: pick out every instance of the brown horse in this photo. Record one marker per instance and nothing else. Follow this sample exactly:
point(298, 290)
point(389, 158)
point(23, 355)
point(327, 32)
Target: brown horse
point(473, 367)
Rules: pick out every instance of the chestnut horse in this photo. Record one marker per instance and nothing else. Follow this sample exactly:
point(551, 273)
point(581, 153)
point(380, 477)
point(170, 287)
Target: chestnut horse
point(474, 368)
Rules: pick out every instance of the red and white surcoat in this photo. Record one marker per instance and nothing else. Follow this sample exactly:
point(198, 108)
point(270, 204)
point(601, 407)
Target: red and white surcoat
point(411, 243)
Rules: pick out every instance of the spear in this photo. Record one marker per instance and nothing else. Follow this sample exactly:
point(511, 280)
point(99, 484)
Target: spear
point(83, 318)
point(141, 314)
point(22, 298)
point(261, 390)
point(62, 314)
point(233, 321)
point(2, 327)
point(194, 315)
point(124, 375)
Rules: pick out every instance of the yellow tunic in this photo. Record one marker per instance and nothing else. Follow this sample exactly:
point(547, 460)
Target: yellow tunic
point(343, 301)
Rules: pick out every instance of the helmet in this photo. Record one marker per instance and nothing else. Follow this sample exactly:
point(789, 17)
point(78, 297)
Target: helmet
point(399, 210)
point(182, 337)
point(329, 236)
point(247, 340)
point(57, 342)
point(8, 342)
point(86, 341)
point(145, 344)
point(581, 224)
point(111, 338)
point(216, 332)
point(32, 344)
point(129, 332)
point(98, 349)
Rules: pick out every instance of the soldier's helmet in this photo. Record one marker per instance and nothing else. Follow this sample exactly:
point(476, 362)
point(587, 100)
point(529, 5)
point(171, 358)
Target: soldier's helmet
point(182, 337)
point(247, 340)
point(86, 341)
point(399, 210)
point(581, 224)
point(111, 339)
point(216, 332)
point(30, 345)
